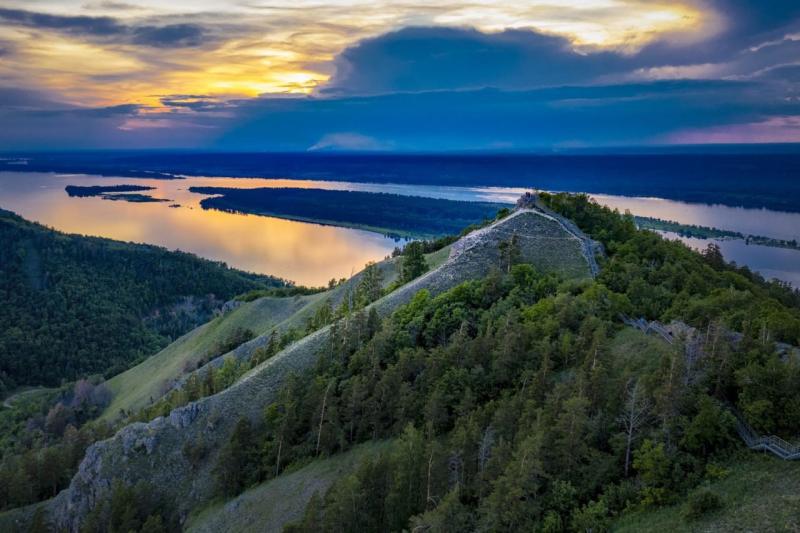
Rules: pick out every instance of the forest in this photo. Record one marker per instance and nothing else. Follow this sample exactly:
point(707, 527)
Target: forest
point(393, 214)
point(75, 306)
point(45, 433)
point(520, 403)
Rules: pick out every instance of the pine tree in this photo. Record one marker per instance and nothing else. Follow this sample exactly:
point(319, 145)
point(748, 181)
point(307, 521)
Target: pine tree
point(414, 264)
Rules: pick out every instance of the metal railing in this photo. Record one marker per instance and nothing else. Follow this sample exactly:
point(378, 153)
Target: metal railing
point(767, 443)
point(649, 327)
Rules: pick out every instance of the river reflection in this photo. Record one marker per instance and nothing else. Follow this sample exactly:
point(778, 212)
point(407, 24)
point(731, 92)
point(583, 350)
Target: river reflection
point(311, 253)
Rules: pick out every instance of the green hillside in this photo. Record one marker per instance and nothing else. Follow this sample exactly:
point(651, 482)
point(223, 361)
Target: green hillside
point(138, 386)
point(502, 389)
point(75, 305)
point(520, 403)
point(147, 381)
point(274, 503)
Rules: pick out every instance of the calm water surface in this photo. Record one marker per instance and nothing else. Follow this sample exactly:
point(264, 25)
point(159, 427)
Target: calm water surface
point(311, 253)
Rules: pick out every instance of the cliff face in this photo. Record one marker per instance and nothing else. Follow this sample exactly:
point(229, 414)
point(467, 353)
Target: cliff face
point(155, 451)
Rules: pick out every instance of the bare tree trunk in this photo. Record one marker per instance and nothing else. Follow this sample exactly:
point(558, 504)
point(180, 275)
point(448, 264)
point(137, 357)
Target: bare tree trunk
point(635, 416)
point(628, 450)
point(278, 460)
point(322, 416)
point(428, 484)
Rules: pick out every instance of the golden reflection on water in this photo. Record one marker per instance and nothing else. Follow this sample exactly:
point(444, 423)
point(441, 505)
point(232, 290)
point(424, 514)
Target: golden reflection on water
point(310, 254)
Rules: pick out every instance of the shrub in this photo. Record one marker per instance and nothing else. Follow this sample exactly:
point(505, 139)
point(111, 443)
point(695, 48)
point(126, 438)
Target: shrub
point(700, 503)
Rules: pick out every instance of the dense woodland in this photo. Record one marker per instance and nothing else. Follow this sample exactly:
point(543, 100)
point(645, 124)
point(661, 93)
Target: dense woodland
point(513, 404)
point(44, 436)
point(75, 306)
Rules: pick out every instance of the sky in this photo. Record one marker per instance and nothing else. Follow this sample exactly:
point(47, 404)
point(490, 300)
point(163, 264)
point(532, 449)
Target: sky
point(397, 75)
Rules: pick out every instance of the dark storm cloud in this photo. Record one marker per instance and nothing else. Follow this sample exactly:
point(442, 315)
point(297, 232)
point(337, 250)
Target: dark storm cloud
point(751, 18)
point(435, 58)
point(109, 29)
point(631, 113)
point(173, 35)
point(27, 99)
point(77, 24)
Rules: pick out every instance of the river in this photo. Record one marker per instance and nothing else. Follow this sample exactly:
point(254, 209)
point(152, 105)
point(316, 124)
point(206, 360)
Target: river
point(312, 254)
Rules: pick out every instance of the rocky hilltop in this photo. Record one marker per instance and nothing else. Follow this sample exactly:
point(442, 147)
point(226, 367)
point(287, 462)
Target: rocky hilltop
point(157, 451)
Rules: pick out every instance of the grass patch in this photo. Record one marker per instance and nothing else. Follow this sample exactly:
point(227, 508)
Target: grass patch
point(761, 493)
point(274, 503)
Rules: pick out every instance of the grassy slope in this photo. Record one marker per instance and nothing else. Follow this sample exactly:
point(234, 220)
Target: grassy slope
point(761, 493)
point(272, 504)
point(134, 388)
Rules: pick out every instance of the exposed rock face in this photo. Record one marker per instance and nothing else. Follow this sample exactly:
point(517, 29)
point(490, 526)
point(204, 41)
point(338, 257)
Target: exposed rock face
point(155, 451)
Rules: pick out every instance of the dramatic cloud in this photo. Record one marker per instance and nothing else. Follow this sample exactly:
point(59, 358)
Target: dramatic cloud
point(418, 59)
point(108, 29)
point(393, 75)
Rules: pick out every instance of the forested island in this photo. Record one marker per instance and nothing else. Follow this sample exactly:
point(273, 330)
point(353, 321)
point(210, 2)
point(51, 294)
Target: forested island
point(391, 214)
point(127, 193)
point(705, 232)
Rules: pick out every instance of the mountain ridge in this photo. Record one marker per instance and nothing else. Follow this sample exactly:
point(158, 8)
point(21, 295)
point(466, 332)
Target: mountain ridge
point(154, 450)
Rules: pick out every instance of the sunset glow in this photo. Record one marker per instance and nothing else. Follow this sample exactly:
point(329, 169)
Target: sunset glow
point(271, 47)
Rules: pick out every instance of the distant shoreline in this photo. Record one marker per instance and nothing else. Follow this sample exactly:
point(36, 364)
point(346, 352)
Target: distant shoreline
point(760, 180)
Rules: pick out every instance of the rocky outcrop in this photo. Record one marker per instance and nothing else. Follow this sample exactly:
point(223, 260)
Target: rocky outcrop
point(155, 451)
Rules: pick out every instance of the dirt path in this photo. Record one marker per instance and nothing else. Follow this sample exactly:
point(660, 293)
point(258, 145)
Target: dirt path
point(8, 403)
